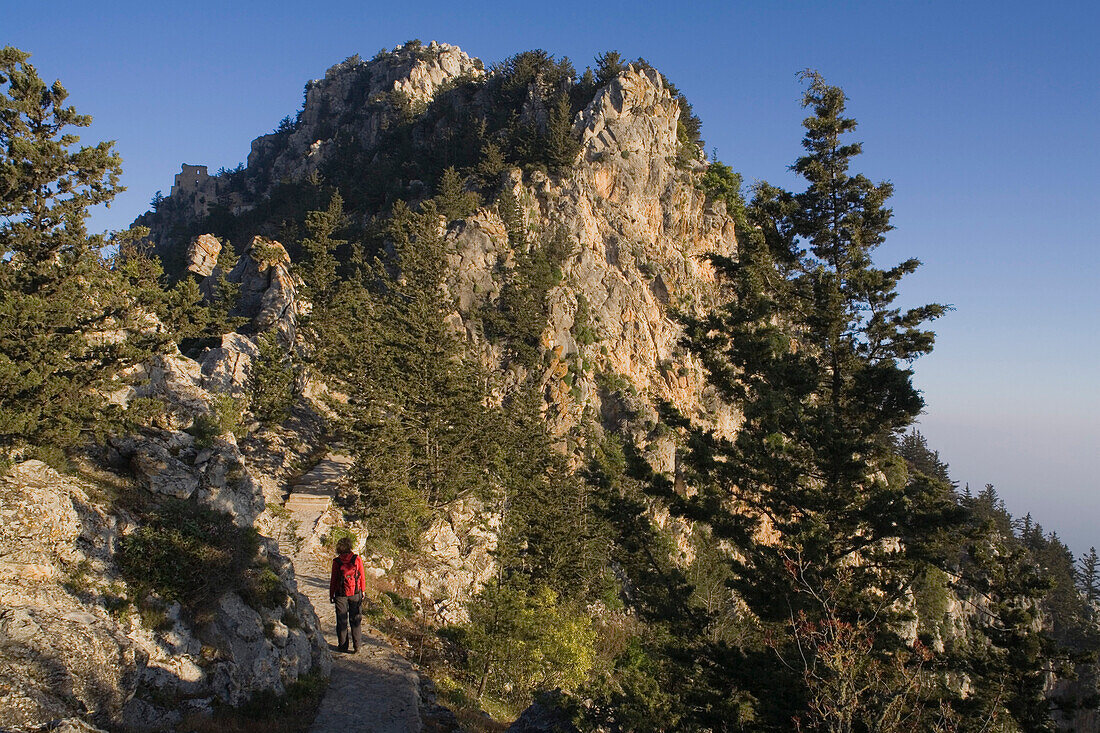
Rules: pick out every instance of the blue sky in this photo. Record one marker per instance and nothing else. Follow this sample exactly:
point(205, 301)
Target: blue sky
point(982, 114)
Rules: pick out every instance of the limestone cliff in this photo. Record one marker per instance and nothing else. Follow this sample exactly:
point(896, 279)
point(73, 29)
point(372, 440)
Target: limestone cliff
point(638, 224)
point(640, 229)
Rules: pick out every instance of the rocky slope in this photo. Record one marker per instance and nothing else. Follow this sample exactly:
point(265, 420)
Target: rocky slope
point(79, 637)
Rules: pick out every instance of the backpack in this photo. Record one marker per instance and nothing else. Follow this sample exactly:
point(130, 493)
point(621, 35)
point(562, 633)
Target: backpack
point(349, 570)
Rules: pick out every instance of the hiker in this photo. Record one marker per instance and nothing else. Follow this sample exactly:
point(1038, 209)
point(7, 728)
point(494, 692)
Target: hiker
point(345, 589)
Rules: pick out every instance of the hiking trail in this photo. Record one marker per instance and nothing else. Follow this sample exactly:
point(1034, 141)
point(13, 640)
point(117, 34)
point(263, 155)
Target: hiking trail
point(376, 690)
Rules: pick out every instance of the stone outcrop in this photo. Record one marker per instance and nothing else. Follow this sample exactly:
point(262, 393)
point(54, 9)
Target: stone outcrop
point(641, 229)
point(268, 296)
point(59, 656)
point(202, 255)
point(226, 368)
point(454, 562)
point(357, 98)
point(173, 462)
point(71, 641)
point(69, 646)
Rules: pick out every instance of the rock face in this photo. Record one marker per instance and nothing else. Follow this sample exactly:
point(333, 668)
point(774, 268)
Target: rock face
point(226, 368)
point(641, 229)
point(72, 642)
point(69, 646)
point(202, 255)
point(268, 295)
point(59, 657)
point(353, 96)
point(455, 561)
point(176, 463)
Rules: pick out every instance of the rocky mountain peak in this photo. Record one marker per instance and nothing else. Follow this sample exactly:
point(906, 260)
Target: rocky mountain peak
point(637, 101)
point(354, 96)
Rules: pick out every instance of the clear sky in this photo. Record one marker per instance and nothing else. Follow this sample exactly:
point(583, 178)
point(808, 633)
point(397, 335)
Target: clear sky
point(983, 115)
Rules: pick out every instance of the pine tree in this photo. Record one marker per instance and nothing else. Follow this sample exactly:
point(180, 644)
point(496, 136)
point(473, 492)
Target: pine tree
point(561, 145)
point(491, 165)
point(913, 447)
point(814, 353)
point(609, 64)
point(272, 380)
point(452, 199)
point(1088, 576)
point(418, 411)
point(70, 318)
point(318, 264)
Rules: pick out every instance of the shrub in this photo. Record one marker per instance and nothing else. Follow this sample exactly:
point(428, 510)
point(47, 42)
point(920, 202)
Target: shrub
point(189, 554)
point(520, 643)
point(336, 534)
point(225, 416)
point(721, 183)
point(264, 588)
point(583, 330)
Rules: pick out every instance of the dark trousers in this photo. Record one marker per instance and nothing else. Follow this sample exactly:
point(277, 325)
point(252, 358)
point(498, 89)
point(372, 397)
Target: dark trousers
point(349, 609)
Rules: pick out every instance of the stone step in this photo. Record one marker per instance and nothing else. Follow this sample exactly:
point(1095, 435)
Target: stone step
point(299, 501)
point(308, 500)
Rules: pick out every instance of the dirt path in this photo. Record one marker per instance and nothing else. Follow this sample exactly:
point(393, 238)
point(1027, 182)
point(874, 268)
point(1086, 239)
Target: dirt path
point(376, 690)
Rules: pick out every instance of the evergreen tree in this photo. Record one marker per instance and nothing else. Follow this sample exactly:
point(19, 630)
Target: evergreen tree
point(452, 199)
point(1088, 576)
point(812, 350)
point(561, 146)
point(272, 380)
point(417, 415)
point(609, 64)
point(70, 318)
point(1009, 671)
point(913, 447)
point(318, 264)
point(491, 165)
point(550, 536)
point(325, 330)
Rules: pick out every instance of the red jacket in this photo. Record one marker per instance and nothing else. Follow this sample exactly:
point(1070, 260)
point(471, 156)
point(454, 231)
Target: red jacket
point(347, 575)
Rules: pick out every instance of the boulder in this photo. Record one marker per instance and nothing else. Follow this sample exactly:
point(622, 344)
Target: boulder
point(162, 473)
point(202, 255)
point(226, 368)
point(268, 295)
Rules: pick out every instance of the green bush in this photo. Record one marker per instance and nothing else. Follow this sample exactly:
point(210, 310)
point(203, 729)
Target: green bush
point(263, 588)
point(721, 183)
point(520, 643)
point(225, 416)
point(189, 554)
point(336, 534)
point(583, 330)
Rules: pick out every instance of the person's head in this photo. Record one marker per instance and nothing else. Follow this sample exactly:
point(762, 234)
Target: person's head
point(343, 545)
